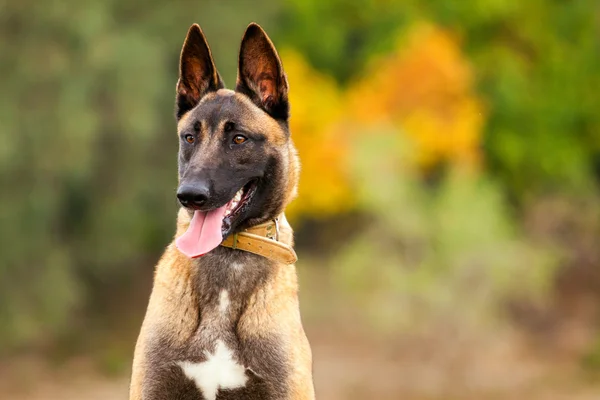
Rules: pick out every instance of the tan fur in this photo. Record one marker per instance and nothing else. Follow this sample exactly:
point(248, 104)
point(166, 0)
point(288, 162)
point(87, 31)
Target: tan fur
point(275, 308)
point(172, 310)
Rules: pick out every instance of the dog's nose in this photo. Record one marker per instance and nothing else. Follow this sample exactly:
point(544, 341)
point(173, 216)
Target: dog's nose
point(193, 196)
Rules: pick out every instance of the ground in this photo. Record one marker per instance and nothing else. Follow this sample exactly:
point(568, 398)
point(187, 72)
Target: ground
point(354, 368)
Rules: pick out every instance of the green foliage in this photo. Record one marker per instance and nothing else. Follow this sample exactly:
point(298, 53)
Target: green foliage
point(349, 32)
point(591, 360)
point(452, 252)
point(87, 146)
point(537, 65)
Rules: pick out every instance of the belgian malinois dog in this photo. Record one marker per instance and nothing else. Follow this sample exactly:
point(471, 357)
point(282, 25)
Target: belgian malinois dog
point(223, 320)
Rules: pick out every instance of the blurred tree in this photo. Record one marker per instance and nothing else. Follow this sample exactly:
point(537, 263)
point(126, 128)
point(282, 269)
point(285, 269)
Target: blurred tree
point(87, 146)
point(340, 36)
point(450, 257)
point(425, 87)
point(538, 63)
point(317, 109)
point(537, 66)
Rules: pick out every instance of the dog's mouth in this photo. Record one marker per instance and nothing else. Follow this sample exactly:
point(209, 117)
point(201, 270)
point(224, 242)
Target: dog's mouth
point(209, 228)
point(237, 205)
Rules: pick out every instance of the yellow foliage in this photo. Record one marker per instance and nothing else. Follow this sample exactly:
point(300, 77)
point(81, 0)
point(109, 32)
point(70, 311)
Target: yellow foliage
point(424, 89)
point(316, 109)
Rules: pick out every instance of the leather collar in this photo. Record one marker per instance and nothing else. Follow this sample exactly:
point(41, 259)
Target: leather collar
point(263, 240)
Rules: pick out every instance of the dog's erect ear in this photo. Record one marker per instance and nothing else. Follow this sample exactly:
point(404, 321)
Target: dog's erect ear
point(197, 73)
point(260, 73)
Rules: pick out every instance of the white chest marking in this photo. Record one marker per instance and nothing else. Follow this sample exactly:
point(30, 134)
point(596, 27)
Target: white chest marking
point(223, 301)
point(237, 266)
point(219, 371)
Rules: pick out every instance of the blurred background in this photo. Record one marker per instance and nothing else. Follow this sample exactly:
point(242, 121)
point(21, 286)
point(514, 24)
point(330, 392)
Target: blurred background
point(448, 218)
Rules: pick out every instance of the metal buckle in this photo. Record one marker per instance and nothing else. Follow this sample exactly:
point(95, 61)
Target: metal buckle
point(276, 228)
point(270, 234)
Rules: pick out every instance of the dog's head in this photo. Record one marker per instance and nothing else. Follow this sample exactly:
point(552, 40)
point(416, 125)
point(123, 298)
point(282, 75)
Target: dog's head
point(237, 164)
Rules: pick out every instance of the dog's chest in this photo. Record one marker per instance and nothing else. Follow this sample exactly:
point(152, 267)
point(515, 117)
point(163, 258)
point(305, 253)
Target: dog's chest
point(213, 358)
point(217, 362)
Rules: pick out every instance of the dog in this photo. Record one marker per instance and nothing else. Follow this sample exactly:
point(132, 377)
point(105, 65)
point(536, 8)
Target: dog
point(223, 319)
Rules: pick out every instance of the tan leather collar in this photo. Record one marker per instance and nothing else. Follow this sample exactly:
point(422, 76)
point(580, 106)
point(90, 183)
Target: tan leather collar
point(263, 240)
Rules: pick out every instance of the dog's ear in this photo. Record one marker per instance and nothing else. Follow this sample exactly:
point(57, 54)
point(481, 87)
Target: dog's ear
point(260, 73)
point(197, 73)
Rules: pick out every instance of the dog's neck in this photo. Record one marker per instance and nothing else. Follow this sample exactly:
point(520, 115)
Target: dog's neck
point(223, 263)
point(226, 279)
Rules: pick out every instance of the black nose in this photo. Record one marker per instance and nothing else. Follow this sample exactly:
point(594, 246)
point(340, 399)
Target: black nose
point(193, 196)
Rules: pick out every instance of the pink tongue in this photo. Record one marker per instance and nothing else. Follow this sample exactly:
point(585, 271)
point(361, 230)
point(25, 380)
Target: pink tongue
point(203, 234)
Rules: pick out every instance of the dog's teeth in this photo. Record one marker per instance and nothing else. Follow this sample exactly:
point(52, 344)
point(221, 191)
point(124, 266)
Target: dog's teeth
point(234, 202)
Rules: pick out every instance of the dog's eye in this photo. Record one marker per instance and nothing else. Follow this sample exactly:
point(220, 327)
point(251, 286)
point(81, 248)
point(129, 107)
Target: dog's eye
point(239, 139)
point(189, 138)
